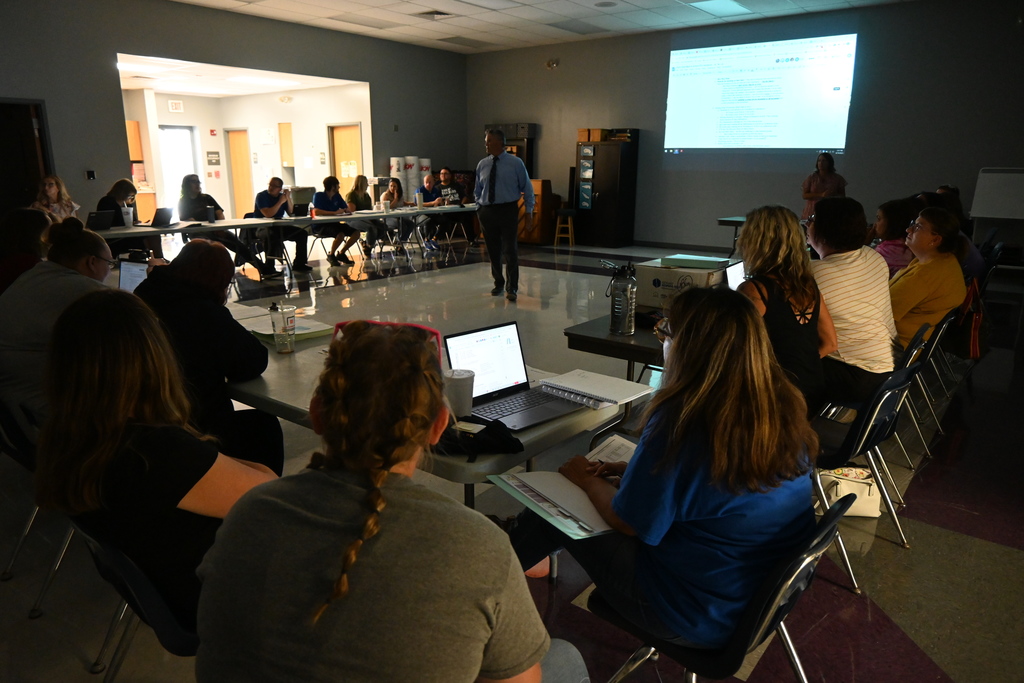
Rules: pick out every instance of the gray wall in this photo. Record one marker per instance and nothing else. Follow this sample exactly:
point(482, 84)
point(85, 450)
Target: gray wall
point(936, 97)
point(63, 52)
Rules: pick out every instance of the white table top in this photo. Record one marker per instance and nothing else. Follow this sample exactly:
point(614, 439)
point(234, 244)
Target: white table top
point(248, 223)
point(287, 385)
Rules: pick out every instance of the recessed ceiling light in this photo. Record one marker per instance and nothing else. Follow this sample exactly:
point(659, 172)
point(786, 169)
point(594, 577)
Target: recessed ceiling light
point(258, 80)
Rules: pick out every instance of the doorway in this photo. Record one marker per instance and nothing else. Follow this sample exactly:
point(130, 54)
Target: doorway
point(346, 153)
point(177, 160)
point(240, 167)
point(24, 147)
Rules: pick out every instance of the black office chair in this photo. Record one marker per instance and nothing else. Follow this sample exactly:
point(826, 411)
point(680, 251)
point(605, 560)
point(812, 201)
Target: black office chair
point(140, 596)
point(932, 352)
point(771, 604)
point(876, 422)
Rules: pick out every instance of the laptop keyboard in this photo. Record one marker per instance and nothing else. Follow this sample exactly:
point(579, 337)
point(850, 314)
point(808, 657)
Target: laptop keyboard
point(514, 404)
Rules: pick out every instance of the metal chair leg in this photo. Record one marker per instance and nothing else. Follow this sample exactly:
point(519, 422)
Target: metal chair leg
point(917, 426)
point(6, 576)
point(899, 441)
point(938, 375)
point(888, 474)
point(98, 666)
point(840, 546)
point(794, 658)
point(37, 608)
point(873, 464)
point(929, 402)
point(637, 659)
point(122, 647)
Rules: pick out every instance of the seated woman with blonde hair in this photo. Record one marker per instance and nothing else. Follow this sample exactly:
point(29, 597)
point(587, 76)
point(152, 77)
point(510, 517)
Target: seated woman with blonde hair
point(117, 452)
point(784, 292)
point(313, 575)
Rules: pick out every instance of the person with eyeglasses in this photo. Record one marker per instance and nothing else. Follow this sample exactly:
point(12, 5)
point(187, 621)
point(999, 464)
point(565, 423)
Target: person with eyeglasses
point(717, 491)
point(854, 282)
point(120, 199)
point(78, 262)
point(933, 284)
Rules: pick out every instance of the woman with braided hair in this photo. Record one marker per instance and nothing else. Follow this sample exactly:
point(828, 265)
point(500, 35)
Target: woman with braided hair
point(350, 570)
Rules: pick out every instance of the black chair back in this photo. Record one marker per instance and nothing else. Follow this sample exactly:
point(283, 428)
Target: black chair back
point(875, 421)
point(914, 347)
point(137, 590)
point(940, 330)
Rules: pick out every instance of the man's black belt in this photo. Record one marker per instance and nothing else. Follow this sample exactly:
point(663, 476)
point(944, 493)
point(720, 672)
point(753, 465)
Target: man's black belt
point(495, 206)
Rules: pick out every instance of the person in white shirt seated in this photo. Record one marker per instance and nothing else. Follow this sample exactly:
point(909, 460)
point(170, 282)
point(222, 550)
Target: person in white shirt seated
point(854, 281)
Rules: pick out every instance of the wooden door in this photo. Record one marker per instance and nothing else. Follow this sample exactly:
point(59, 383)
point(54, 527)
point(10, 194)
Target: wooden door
point(242, 197)
point(346, 154)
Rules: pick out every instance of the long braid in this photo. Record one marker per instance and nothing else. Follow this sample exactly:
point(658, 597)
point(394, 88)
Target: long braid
point(372, 431)
point(376, 502)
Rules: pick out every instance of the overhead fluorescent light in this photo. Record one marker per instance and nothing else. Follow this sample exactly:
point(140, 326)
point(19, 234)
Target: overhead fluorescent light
point(141, 68)
point(720, 8)
point(260, 80)
point(492, 4)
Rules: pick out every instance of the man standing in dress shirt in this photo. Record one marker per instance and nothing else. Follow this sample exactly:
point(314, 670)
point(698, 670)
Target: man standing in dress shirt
point(500, 180)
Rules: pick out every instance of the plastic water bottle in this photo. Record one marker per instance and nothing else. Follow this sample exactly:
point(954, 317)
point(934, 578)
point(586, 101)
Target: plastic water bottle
point(622, 290)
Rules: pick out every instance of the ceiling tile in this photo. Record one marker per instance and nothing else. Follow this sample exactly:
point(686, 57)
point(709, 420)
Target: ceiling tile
point(685, 14)
point(289, 7)
point(768, 5)
point(215, 4)
point(468, 23)
point(393, 17)
point(272, 13)
point(541, 16)
point(645, 17)
point(422, 31)
point(569, 9)
point(652, 4)
point(612, 22)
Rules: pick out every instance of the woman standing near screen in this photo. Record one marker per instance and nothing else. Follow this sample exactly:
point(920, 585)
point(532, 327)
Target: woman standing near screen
point(824, 182)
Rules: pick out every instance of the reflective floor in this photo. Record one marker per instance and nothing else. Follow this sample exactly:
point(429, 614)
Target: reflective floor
point(947, 609)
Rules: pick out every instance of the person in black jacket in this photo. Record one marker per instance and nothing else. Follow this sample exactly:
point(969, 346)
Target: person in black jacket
point(189, 296)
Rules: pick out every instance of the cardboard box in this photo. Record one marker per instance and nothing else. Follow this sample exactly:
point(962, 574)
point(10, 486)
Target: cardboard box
point(582, 135)
point(598, 134)
point(656, 285)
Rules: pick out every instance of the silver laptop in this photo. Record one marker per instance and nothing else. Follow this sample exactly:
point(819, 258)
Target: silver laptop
point(501, 389)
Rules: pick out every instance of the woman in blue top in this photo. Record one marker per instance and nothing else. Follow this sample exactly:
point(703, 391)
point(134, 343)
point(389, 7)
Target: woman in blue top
point(717, 491)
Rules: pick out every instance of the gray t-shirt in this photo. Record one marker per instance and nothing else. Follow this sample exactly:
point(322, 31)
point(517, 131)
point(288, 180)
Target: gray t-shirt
point(28, 311)
point(436, 595)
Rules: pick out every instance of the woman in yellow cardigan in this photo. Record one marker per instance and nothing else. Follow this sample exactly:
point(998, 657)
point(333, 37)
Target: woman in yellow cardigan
point(933, 283)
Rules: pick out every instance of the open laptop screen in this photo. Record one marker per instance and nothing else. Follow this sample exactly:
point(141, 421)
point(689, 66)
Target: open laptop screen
point(130, 275)
point(494, 354)
point(734, 275)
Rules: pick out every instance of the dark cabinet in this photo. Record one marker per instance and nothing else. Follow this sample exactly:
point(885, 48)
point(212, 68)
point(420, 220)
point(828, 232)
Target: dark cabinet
point(605, 192)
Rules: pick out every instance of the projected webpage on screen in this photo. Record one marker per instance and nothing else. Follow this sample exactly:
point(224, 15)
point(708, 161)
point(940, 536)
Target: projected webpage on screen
point(789, 94)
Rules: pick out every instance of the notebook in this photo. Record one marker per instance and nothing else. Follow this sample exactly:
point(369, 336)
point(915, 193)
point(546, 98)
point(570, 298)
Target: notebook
point(130, 275)
point(501, 389)
point(99, 220)
point(594, 390)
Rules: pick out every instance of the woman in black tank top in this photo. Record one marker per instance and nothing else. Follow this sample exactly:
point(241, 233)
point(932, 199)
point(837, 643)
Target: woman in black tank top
point(782, 288)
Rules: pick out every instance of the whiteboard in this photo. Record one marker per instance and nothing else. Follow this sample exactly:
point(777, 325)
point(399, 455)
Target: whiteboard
point(999, 193)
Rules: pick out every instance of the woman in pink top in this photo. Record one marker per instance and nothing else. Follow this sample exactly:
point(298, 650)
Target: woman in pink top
point(891, 221)
point(824, 182)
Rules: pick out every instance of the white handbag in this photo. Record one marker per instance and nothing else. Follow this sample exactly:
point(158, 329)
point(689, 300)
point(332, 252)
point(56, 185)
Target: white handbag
point(858, 480)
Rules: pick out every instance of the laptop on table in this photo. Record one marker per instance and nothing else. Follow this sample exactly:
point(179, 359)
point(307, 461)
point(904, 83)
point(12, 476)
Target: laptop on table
point(501, 389)
point(99, 220)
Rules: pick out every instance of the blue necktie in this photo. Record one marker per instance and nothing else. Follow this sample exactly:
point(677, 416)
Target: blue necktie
point(491, 182)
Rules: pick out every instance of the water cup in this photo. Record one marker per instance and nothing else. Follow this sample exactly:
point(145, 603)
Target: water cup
point(211, 214)
point(282, 319)
point(419, 200)
point(458, 388)
point(385, 206)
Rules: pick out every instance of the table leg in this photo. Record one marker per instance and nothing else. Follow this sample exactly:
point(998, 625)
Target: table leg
point(630, 367)
point(613, 427)
point(735, 236)
point(469, 495)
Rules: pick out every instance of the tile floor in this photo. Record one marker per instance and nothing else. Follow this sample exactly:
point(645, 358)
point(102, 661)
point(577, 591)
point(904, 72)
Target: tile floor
point(947, 609)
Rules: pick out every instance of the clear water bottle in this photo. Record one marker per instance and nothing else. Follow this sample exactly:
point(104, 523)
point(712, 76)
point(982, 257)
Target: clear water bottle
point(622, 290)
